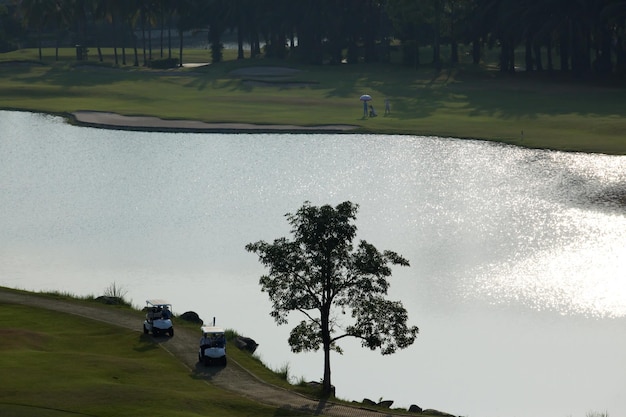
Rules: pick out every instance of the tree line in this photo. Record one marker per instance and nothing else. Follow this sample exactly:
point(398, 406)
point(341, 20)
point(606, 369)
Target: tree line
point(579, 36)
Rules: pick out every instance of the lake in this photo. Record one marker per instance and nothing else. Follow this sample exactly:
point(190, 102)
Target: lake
point(518, 257)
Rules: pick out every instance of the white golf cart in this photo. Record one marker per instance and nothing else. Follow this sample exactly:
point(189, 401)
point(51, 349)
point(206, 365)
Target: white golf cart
point(158, 318)
point(212, 345)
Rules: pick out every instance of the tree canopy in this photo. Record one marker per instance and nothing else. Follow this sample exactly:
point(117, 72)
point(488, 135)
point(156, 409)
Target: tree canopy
point(587, 36)
point(338, 288)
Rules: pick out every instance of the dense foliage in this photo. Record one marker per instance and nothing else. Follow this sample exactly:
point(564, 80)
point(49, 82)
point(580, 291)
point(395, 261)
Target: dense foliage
point(320, 273)
point(582, 36)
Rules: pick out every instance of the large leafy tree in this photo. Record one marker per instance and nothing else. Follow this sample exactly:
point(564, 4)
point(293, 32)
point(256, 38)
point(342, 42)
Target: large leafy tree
point(320, 273)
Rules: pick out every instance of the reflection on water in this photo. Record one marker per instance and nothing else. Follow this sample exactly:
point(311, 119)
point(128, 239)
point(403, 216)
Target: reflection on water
point(517, 256)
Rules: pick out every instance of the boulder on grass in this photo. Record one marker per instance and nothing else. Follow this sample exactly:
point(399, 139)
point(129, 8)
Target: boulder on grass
point(431, 412)
point(192, 317)
point(385, 403)
point(317, 386)
point(105, 299)
point(246, 343)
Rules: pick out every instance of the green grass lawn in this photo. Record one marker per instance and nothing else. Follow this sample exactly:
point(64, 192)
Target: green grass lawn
point(55, 364)
point(532, 110)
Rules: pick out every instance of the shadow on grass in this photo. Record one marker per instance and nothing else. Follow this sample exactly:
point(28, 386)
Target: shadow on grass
point(201, 371)
point(414, 94)
point(76, 76)
point(145, 344)
point(23, 410)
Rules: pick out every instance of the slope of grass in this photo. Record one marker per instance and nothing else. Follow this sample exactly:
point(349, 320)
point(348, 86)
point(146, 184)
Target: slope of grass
point(54, 364)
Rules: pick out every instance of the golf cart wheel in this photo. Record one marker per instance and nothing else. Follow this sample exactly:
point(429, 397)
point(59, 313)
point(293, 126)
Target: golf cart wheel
point(145, 329)
point(155, 331)
point(171, 332)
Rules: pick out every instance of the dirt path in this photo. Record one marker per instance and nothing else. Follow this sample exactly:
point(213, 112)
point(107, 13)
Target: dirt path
point(183, 346)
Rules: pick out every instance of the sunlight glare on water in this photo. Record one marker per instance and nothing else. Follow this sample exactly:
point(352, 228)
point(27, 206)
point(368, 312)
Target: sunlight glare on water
point(584, 273)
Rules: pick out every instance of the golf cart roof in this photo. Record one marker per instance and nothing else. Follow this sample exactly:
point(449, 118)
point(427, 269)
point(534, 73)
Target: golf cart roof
point(158, 302)
point(212, 329)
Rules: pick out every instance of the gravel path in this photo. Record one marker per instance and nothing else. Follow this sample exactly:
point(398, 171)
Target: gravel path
point(183, 346)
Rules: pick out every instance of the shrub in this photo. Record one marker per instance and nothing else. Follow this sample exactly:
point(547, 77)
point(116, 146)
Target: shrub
point(164, 63)
point(114, 294)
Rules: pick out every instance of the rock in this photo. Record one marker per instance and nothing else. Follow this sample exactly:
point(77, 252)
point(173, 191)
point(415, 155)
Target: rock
point(415, 409)
point(191, 317)
point(110, 300)
point(385, 403)
point(367, 401)
point(318, 386)
point(246, 343)
point(431, 412)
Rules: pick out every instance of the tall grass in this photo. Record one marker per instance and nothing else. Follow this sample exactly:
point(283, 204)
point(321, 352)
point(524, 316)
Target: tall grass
point(283, 372)
point(597, 414)
point(113, 294)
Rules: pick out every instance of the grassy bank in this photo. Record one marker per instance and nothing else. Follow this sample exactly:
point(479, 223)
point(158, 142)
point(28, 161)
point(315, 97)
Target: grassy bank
point(533, 110)
point(55, 364)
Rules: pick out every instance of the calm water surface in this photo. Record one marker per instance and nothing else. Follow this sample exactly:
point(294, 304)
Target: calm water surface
point(517, 256)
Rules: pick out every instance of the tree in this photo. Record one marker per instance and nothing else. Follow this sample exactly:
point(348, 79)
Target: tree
point(35, 14)
point(407, 17)
point(319, 273)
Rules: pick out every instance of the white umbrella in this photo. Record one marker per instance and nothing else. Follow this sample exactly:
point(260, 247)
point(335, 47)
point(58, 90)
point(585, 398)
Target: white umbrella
point(365, 97)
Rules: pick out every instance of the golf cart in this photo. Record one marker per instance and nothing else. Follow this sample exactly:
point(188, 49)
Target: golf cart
point(212, 345)
point(158, 318)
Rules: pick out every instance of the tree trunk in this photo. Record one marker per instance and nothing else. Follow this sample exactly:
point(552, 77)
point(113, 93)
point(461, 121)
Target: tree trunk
point(215, 40)
point(454, 45)
point(537, 54)
point(581, 58)
point(143, 36)
point(504, 57)
point(162, 32)
point(169, 36)
point(564, 43)
point(150, 42)
point(180, 49)
point(454, 52)
point(39, 43)
point(437, 37)
point(549, 55)
point(135, 50)
point(325, 328)
point(327, 387)
point(529, 54)
point(476, 47)
point(240, 41)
